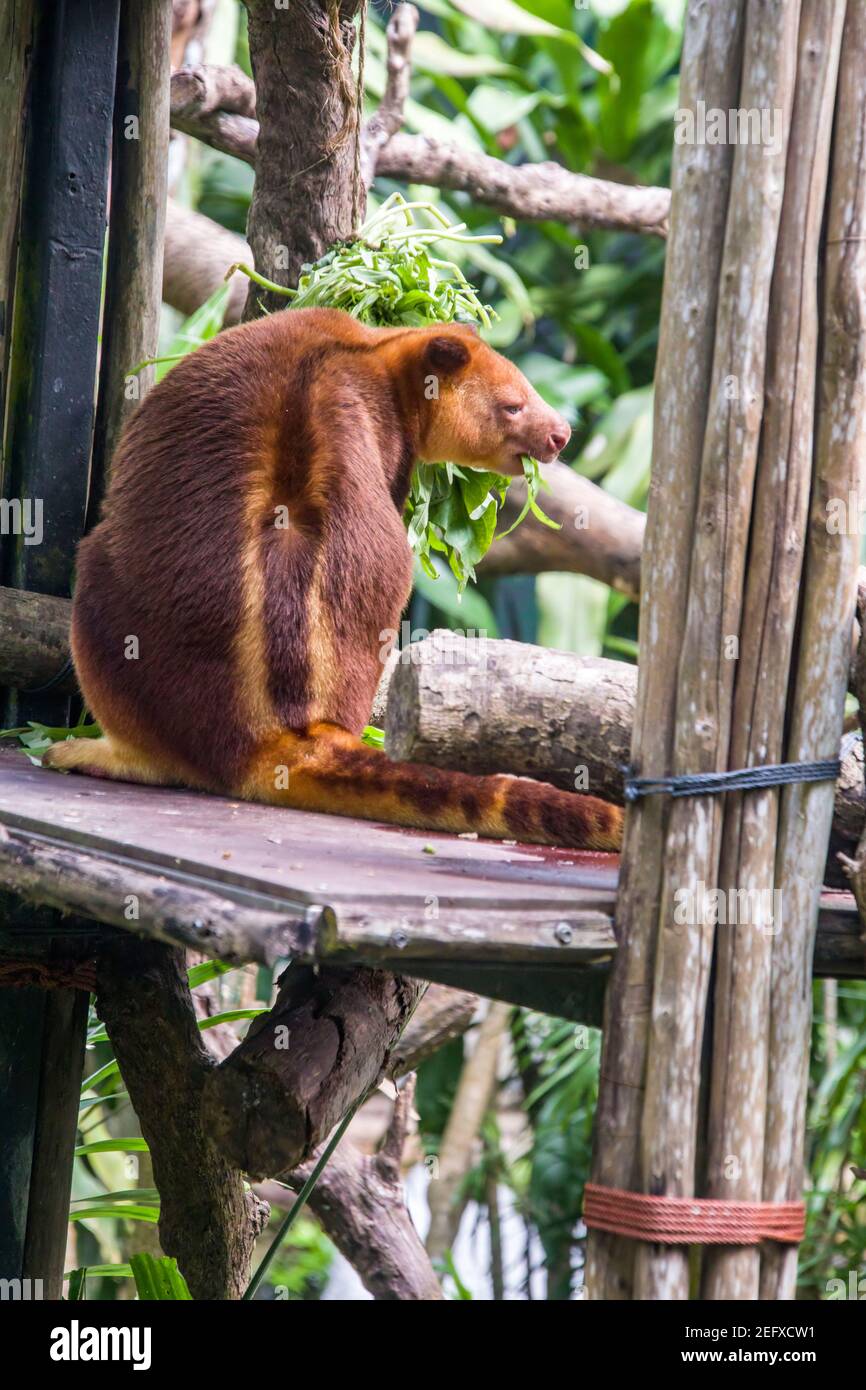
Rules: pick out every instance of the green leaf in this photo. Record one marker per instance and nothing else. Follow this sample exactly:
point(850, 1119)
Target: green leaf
point(430, 53)
point(158, 1279)
point(208, 970)
point(98, 1212)
point(112, 1146)
point(77, 1277)
point(510, 18)
point(228, 1016)
point(199, 328)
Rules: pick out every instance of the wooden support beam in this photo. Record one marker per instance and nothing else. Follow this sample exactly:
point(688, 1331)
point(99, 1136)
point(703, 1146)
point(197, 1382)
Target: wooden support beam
point(700, 182)
point(133, 284)
point(57, 302)
point(816, 708)
point(741, 1018)
point(61, 1066)
point(207, 1221)
point(49, 422)
point(150, 904)
point(16, 43)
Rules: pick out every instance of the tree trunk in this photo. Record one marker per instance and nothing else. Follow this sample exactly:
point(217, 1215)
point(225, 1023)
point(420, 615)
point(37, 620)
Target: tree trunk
point(306, 103)
point(207, 1221)
point(325, 1042)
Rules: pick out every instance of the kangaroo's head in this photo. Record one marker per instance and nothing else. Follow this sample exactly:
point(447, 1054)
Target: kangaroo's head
point(476, 408)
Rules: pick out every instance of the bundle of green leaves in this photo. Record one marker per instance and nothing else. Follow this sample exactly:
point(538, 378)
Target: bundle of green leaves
point(389, 277)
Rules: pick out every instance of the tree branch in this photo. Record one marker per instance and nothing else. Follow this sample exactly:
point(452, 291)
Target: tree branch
point(196, 256)
point(325, 1042)
point(361, 1204)
point(215, 105)
point(207, 1221)
point(387, 120)
point(599, 535)
point(530, 192)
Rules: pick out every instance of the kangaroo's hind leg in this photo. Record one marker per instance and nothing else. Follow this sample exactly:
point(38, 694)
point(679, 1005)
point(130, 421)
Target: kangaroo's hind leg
point(111, 758)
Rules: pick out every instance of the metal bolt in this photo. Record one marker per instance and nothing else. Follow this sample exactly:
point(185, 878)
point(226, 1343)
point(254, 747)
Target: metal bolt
point(399, 939)
point(563, 933)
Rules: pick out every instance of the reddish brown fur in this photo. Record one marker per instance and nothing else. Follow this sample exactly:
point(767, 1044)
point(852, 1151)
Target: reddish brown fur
point(259, 643)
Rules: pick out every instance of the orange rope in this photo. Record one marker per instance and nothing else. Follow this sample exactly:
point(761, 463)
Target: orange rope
point(691, 1220)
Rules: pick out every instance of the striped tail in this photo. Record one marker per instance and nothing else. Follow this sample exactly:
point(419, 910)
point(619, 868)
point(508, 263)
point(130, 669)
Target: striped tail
point(328, 769)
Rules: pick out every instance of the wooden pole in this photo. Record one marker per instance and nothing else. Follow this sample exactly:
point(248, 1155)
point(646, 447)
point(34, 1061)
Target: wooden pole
point(139, 171)
point(700, 180)
point(57, 304)
point(742, 987)
point(46, 462)
point(821, 676)
point(16, 39)
point(706, 671)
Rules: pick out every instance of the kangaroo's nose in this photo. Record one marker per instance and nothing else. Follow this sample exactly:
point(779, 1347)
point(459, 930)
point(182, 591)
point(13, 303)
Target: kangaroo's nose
point(559, 437)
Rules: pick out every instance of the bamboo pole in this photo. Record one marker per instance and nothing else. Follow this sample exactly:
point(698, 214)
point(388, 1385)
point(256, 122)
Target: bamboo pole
point(828, 598)
point(742, 986)
point(709, 71)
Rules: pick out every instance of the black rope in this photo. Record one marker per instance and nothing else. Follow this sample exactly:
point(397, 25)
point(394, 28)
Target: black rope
point(741, 780)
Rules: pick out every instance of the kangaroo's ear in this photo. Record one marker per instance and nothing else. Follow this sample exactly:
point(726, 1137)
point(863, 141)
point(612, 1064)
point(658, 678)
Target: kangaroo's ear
point(446, 354)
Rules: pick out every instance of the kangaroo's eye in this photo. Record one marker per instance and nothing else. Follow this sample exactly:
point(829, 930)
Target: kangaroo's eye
point(512, 409)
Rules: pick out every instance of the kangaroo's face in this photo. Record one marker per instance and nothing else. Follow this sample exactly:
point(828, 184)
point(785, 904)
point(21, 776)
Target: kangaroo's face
point(479, 410)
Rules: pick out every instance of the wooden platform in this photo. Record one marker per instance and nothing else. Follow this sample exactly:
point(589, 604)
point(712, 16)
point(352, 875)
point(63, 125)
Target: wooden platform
point(248, 882)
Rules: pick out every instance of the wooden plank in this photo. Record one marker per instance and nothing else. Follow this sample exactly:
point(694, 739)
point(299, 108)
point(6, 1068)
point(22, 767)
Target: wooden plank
point(317, 887)
point(164, 908)
point(299, 856)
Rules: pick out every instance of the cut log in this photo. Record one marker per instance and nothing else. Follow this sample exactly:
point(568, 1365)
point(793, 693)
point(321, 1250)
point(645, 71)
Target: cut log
point(484, 705)
point(494, 706)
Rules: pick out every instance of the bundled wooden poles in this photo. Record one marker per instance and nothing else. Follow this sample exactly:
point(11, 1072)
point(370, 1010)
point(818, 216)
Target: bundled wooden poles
point(700, 183)
point(736, 419)
point(738, 1094)
point(827, 609)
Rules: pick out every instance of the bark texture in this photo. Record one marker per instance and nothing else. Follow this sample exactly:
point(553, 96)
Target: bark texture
point(325, 1042)
point(495, 706)
point(738, 1092)
point(139, 172)
point(700, 180)
point(360, 1202)
point(207, 1222)
point(306, 103)
point(827, 606)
